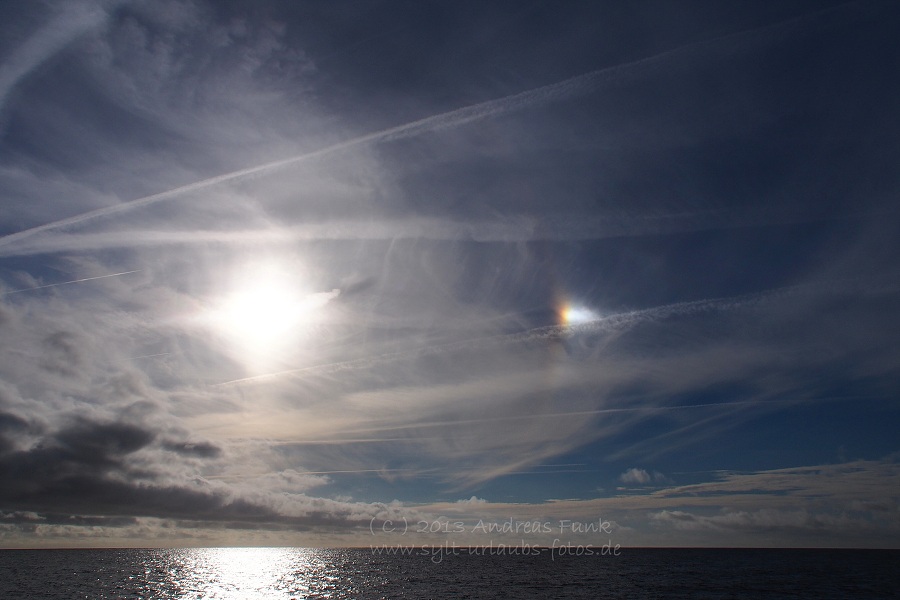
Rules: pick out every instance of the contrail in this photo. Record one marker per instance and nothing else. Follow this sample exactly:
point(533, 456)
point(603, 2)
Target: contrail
point(546, 333)
point(151, 355)
point(566, 89)
point(581, 413)
point(50, 285)
point(512, 229)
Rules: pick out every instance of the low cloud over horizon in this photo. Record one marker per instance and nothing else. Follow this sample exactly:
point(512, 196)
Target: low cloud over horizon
point(291, 273)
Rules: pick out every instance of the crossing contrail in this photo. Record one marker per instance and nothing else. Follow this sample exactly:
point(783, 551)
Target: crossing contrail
point(566, 89)
point(50, 285)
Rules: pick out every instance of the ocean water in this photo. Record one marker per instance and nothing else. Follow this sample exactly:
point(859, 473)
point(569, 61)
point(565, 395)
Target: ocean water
point(245, 573)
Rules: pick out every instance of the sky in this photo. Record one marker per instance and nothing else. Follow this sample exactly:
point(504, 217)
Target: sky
point(400, 272)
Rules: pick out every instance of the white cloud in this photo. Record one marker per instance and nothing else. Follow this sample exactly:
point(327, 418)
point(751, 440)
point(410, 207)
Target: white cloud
point(472, 500)
point(636, 476)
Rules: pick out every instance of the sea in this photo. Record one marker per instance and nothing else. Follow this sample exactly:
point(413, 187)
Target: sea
point(251, 573)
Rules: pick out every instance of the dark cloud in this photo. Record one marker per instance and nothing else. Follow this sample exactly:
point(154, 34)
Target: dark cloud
point(82, 470)
point(81, 476)
point(73, 456)
point(32, 519)
point(102, 443)
point(11, 422)
point(10, 425)
point(60, 496)
point(48, 482)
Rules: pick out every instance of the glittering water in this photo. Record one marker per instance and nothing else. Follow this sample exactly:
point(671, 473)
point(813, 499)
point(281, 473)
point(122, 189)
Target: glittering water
point(246, 573)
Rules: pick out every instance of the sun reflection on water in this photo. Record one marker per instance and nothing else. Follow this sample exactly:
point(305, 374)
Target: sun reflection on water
point(250, 573)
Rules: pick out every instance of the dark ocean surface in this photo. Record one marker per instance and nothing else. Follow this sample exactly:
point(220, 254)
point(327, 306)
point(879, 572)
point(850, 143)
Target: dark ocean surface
point(461, 573)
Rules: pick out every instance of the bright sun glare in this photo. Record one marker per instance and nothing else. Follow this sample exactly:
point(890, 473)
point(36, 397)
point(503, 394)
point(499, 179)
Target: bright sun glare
point(264, 312)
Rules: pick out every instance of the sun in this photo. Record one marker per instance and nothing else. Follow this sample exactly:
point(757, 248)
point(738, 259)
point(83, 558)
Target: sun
point(261, 314)
point(264, 313)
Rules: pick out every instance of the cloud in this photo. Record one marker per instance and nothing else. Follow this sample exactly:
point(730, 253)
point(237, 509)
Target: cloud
point(97, 443)
point(61, 353)
point(635, 475)
point(439, 254)
point(74, 20)
point(575, 86)
point(762, 521)
point(641, 477)
point(472, 500)
point(94, 468)
point(196, 449)
point(10, 425)
point(819, 506)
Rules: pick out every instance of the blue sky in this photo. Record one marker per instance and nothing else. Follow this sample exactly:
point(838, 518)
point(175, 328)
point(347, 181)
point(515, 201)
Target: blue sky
point(283, 272)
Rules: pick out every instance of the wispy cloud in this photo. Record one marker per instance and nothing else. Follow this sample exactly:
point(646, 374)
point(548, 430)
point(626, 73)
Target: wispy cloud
point(73, 20)
point(582, 84)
